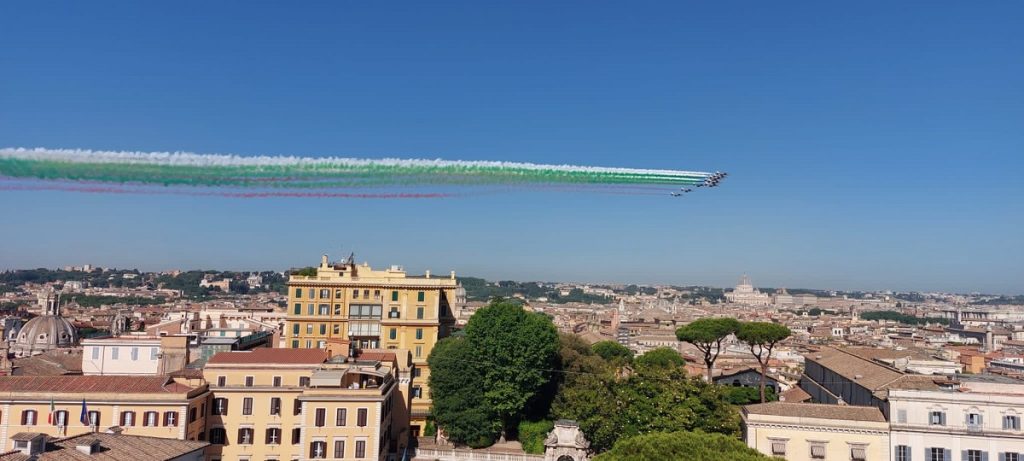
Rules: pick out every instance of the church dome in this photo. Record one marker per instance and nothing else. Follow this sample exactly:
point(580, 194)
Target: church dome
point(44, 333)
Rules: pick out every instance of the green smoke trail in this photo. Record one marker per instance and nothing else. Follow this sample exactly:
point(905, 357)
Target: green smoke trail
point(309, 173)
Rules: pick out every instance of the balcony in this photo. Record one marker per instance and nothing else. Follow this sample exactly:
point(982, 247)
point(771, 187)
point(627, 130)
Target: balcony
point(356, 380)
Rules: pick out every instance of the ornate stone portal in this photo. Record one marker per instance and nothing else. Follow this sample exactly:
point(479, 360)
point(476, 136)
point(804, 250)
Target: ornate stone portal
point(566, 443)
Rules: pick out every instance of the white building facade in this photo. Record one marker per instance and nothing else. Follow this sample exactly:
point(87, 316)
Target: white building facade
point(977, 420)
point(121, 356)
point(746, 294)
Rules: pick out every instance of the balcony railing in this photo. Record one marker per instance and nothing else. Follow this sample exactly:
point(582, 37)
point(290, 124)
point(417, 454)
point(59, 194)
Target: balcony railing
point(458, 454)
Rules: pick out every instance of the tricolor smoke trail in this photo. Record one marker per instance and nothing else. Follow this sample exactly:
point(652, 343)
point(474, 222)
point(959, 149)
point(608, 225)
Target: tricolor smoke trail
point(266, 176)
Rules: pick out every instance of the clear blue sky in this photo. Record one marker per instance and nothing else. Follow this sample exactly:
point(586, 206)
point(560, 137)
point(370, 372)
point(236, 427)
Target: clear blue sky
point(870, 145)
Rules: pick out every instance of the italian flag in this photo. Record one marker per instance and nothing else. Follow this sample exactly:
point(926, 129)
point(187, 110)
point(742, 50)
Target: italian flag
point(49, 418)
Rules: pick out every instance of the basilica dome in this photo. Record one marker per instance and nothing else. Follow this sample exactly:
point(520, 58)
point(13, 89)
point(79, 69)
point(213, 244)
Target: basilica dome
point(47, 332)
point(44, 333)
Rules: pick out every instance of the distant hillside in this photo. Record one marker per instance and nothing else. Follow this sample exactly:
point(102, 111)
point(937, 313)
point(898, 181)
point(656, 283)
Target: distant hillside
point(478, 289)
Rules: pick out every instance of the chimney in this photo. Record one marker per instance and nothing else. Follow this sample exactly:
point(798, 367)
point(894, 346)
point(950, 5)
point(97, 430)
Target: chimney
point(30, 444)
point(88, 446)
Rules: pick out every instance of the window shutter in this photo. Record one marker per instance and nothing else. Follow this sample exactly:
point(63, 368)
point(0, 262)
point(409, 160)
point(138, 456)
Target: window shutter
point(981, 423)
point(1002, 456)
point(947, 454)
point(984, 456)
point(942, 421)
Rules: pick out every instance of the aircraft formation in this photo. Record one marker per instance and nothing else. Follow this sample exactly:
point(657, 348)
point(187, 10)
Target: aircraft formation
point(711, 181)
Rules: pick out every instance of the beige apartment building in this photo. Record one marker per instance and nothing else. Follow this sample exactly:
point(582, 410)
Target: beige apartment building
point(154, 406)
point(370, 308)
point(299, 404)
point(134, 355)
point(813, 431)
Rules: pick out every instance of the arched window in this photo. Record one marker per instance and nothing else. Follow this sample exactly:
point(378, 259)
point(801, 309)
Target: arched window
point(28, 418)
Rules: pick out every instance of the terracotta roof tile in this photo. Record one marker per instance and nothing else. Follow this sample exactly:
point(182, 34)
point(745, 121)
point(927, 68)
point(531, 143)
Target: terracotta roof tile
point(816, 410)
point(92, 384)
point(113, 447)
point(379, 356)
point(271, 355)
point(865, 372)
point(795, 395)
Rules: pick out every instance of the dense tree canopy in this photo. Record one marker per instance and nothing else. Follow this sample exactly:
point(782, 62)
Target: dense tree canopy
point(459, 405)
point(507, 353)
point(661, 357)
point(511, 370)
point(689, 446)
point(657, 396)
point(740, 395)
point(706, 335)
point(518, 349)
point(613, 352)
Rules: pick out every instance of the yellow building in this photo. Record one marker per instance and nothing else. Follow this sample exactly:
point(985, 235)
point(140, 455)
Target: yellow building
point(816, 431)
point(284, 404)
point(373, 309)
point(156, 406)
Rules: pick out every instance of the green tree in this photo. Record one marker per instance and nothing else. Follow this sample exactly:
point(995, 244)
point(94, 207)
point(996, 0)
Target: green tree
point(613, 352)
point(459, 405)
point(532, 434)
point(588, 399)
point(239, 286)
point(662, 357)
point(305, 271)
point(691, 446)
point(707, 335)
point(516, 350)
point(762, 337)
point(653, 398)
point(742, 395)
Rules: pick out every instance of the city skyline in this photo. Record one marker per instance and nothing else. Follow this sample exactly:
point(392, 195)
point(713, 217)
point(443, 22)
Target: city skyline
point(867, 149)
point(739, 279)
